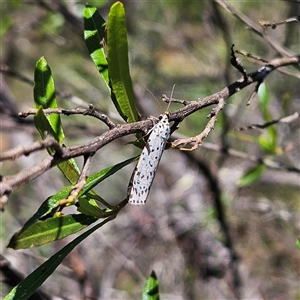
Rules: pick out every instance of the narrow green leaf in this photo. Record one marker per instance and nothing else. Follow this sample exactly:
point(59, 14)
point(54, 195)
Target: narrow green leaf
point(268, 141)
point(264, 99)
point(43, 126)
point(90, 207)
point(69, 168)
point(49, 230)
point(298, 243)
point(33, 281)
point(6, 23)
point(96, 178)
point(118, 64)
point(151, 289)
point(44, 97)
point(94, 33)
point(251, 175)
point(47, 206)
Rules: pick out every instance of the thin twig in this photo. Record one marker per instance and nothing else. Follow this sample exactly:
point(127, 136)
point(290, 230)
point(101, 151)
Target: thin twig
point(287, 119)
point(166, 99)
point(261, 160)
point(254, 57)
point(197, 140)
point(80, 183)
point(255, 28)
point(236, 62)
point(75, 111)
point(18, 151)
point(274, 24)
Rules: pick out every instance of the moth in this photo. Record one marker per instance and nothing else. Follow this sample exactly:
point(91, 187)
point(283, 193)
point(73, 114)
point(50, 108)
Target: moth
point(145, 170)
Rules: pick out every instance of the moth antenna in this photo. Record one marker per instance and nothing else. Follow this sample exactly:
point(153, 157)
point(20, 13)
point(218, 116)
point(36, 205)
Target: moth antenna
point(153, 96)
point(171, 97)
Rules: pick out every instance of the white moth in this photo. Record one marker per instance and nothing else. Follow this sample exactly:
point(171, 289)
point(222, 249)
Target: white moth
point(146, 167)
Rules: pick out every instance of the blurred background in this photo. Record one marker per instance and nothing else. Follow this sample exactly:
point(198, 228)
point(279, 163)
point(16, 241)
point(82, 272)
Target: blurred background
point(205, 233)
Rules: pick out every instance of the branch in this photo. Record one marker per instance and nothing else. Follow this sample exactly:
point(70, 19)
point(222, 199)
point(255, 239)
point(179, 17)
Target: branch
point(208, 128)
point(274, 24)
point(260, 160)
point(9, 183)
point(75, 111)
point(18, 151)
point(255, 28)
point(80, 182)
point(288, 119)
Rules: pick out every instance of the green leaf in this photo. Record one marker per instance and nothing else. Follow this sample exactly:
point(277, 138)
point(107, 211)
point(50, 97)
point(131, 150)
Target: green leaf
point(298, 243)
point(49, 230)
point(90, 207)
point(33, 281)
point(48, 205)
point(43, 126)
point(251, 175)
point(6, 23)
point(94, 33)
point(151, 289)
point(44, 97)
point(268, 140)
point(96, 178)
point(69, 168)
point(118, 64)
point(264, 99)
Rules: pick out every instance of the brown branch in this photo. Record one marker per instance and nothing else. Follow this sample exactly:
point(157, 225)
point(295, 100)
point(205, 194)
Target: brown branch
point(260, 160)
point(287, 119)
point(11, 182)
point(255, 28)
point(80, 182)
point(274, 24)
point(166, 99)
point(18, 151)
point(197, 140)
point(262, 61)
point(75, 111)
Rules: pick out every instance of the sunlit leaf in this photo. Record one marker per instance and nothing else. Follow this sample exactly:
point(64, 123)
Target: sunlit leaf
point(268, 140)
point(264, 100)
point(151, 289)
point(94, 33)
point(44, 97)
point(251, 175)
point(90, 207)
point(118, 64)
point(49, 230)
point(48, 205)
point(96, 178)
point(298, 243)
